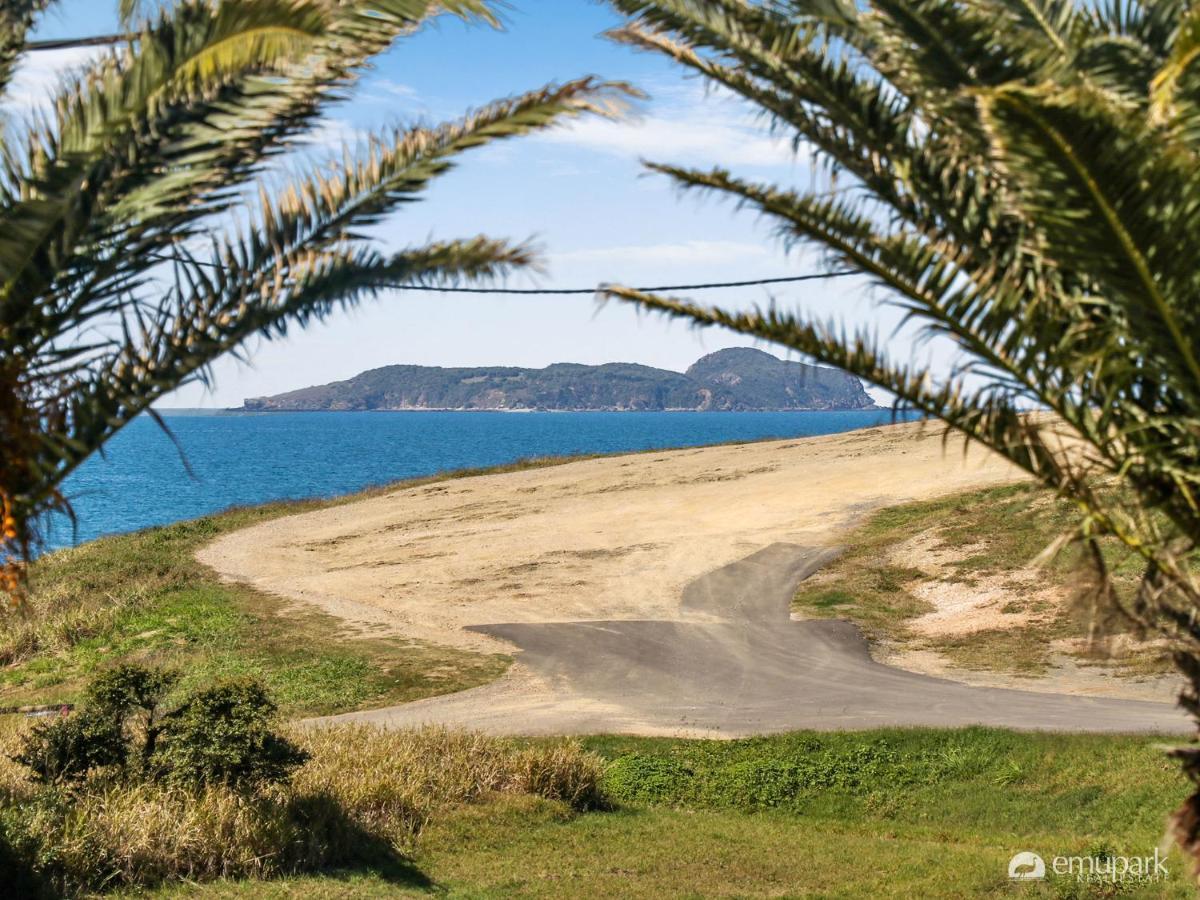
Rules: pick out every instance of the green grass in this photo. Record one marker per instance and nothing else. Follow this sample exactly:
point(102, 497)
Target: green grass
point(1005, 529)
point(895, 813)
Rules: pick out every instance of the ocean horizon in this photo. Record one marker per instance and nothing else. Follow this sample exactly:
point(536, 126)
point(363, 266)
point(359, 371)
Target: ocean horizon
point(214, 459)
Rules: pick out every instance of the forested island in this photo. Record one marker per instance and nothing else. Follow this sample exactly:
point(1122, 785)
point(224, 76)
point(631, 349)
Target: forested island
point(737, 379)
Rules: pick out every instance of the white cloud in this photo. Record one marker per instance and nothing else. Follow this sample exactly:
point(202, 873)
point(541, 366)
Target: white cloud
point(713, 253)
point(40, 74)
point(677, 138)
point(691, 126)
point(396, 96)
point(334, 134)
point(393, 88)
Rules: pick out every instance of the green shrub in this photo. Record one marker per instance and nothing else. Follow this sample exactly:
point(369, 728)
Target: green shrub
point(760, 773)
point(68, 749)
point(758, 783)
point(643, 778)
point(866, 765)
point(19, 877)
point(134, 696)
point(121, 710)
point(129, 689)
point(219, 736)
point(223, 735)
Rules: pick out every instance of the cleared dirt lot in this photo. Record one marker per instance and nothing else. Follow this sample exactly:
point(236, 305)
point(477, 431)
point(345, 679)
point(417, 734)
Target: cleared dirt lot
point(614, 538)
point(587, 568)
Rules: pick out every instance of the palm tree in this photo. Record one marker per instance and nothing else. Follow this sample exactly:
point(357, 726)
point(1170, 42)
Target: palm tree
point(1022, 177)
point(146, 226)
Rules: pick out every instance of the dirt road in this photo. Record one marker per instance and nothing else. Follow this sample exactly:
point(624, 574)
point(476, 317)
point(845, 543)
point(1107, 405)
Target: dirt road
point(752, 670)
point(647, 593)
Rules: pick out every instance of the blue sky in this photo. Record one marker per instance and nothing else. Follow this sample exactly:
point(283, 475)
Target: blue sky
point(579, 192)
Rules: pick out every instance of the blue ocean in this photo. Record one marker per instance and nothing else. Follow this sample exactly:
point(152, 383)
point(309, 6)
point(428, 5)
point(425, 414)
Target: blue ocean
point(236, 459)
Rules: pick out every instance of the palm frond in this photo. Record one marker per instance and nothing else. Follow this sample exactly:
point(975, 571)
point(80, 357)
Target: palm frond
point(301, 258)
point(16, 20)
point(1019, 177)
point(155, 150)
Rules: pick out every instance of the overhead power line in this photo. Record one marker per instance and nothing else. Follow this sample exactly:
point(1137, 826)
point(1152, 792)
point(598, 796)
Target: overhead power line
point(645, 290)
point(100, 40)
point(709, 286)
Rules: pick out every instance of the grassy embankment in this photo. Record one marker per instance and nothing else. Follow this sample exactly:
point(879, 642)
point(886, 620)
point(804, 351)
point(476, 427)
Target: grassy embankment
point(981, 540)
point(895, 813)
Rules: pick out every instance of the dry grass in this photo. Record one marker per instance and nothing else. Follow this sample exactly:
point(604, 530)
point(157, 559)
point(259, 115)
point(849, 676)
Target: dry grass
point(392, 782)
point(365, 796)
point(908, 563)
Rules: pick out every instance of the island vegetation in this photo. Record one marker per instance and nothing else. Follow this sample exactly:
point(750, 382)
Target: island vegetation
point(736, 379)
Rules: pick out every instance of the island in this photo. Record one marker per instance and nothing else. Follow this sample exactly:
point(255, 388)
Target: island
point(736, 379)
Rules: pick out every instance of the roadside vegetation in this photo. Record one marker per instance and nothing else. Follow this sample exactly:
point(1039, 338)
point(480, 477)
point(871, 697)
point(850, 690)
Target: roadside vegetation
point(899, 813)
point(982, 544)
point(143, 597)
point(360, 798)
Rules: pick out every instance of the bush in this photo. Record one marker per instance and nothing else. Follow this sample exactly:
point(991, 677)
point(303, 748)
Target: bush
point(69, 749)
point(222, 735)
point(759, 773)
point(135, 693)
point(128, 688)
point(642, 778)
point(364, 795)
point(758, 783)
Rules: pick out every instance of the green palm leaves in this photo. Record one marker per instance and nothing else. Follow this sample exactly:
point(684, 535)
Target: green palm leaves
point(113, 290)
point(1021, 176)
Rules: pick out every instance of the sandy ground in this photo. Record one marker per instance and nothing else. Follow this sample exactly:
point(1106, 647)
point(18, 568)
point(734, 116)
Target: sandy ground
point(614, 538)
point(649, 593)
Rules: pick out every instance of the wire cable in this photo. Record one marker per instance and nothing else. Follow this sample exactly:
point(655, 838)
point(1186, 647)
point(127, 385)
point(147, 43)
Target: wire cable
point(711, 286)
point(707, 286)
point(100, 40)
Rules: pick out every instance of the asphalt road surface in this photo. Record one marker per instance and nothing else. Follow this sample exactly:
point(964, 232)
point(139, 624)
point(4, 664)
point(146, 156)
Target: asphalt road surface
point(737, 664)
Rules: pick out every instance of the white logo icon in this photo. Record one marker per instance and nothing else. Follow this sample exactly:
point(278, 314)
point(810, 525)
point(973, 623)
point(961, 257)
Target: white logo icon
point(1026, 866)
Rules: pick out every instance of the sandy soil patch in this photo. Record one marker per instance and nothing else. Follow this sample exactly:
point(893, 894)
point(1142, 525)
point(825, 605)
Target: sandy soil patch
point(614, 538)
point(997, 601)
point(1010, 600)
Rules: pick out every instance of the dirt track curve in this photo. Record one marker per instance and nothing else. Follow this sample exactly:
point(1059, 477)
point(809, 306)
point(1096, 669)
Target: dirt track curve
point(751, 670)
point(647, 593)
